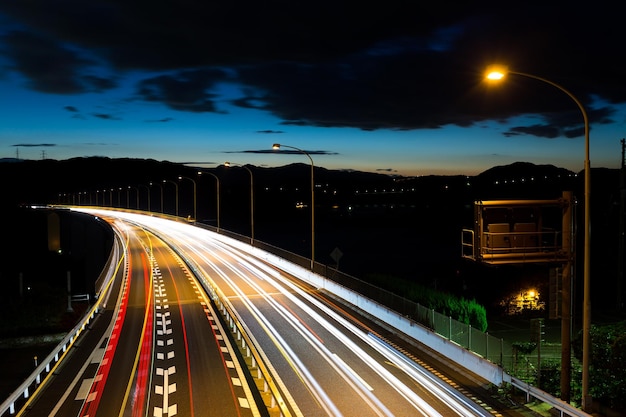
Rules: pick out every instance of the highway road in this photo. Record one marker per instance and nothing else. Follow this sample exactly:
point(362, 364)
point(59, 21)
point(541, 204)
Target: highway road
point(324, 359)
point(157, 349)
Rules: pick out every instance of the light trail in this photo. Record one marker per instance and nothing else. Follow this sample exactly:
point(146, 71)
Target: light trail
point(291, 318)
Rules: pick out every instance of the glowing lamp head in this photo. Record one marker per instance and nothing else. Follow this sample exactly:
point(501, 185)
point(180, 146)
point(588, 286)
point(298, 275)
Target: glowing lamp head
point(496, 72)
point(495, 76)
point(276, 146)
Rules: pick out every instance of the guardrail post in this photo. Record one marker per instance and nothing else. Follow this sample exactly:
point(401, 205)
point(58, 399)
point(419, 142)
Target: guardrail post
point(487, 345)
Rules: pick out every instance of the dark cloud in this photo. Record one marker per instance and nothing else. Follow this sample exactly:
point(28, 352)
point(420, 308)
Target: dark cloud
point(34, 145)
point(543, 131)
point(163, 120)
point(183, 91)
point(397, 65)
point(285, 151)
point(49, 66)
point(71, 109)
point(105, 116)
point(268, 131)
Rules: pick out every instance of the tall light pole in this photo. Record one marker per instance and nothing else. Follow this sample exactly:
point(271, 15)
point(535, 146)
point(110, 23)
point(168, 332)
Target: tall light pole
point(161, 187)
point(195, 216)
point(277, 146)
point(176, 187)
point(499, 73)
point(148, 189)
point(227, 164)
point(217, 191)
point(136, 194)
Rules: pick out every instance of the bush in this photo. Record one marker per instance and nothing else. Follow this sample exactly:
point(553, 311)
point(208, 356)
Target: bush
point(465, 311)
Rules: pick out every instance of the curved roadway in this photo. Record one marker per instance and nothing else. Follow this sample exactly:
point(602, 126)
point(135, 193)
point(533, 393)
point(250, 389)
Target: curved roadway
point(325, 360)
point(164, 353)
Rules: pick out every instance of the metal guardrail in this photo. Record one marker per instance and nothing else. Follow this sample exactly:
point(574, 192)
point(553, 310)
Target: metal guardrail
point(512, 246)
point(561, 406)
point(247, 343)
point(32, 385)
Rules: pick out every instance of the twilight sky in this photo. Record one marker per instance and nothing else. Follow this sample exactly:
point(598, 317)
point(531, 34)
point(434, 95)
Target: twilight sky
point(394, 86)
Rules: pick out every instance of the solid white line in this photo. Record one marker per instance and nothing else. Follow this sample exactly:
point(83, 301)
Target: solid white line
point(357, 376)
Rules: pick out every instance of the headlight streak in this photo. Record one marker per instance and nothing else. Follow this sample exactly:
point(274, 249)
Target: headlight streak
point(450, 396)
point(294, 362)
point(251, 265)
point(346, 373)
point(184, 242)
point(417, 402)
point(425, 378)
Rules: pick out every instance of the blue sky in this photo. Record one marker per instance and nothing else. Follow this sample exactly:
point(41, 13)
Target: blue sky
point(390, 89)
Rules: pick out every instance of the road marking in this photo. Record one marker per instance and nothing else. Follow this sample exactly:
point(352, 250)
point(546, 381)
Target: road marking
point(83, 390)
point(165, 390)
point(357, 376)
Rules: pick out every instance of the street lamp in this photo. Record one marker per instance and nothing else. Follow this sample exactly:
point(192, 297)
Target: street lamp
point(128, 196)
point(195, 217)
point(147, 189)
point(161, 187)
point(176, 187)
point(277, 146)
point(217, 191)
point(498, 73)
point(228, 164)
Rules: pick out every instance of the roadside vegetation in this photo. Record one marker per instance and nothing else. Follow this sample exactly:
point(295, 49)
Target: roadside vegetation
point(463, 310)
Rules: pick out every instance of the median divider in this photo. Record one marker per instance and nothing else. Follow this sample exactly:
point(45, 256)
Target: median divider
point(275, 395)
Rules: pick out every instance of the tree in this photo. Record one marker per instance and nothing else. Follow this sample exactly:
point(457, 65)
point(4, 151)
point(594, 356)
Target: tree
point(607, 364)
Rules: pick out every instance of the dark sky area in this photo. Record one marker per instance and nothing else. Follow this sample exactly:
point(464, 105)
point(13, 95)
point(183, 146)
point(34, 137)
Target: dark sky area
point(336, 78)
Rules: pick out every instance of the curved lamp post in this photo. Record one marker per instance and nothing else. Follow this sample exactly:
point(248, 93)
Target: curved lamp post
point(217, 191)
point(161, 187)
point(148, 189)
point(176, 187)
point(498, 73)
point(228, 164)
point(136, 195)
point(277, 146)
point(195, 217)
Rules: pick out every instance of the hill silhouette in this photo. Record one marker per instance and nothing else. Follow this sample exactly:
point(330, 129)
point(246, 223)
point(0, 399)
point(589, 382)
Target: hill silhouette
point(403, 226)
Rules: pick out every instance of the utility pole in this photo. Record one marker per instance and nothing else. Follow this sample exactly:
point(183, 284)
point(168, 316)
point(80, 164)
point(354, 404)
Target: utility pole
point(621, 278)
